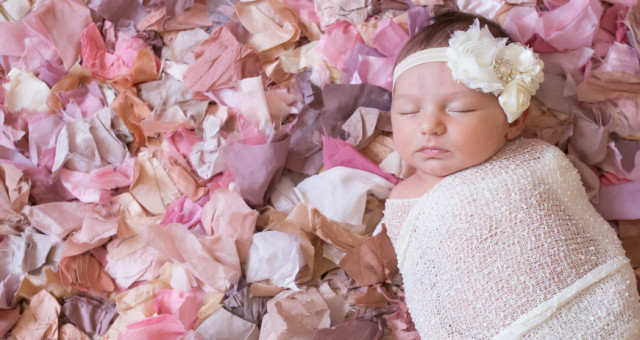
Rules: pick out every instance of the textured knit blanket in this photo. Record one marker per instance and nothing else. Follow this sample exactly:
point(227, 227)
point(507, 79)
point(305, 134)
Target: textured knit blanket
point(512, 248)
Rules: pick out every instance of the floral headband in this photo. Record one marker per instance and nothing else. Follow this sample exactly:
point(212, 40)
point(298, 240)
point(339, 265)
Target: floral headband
point(511, 71)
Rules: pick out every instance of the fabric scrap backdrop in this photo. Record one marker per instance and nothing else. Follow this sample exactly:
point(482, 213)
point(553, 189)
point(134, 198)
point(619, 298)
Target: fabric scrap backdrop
point(196, 169)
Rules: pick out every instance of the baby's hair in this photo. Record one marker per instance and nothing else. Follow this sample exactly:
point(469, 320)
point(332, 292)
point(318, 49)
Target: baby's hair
point(438, 33)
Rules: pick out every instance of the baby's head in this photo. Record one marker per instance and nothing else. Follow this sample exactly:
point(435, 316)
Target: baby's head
point(461, 91)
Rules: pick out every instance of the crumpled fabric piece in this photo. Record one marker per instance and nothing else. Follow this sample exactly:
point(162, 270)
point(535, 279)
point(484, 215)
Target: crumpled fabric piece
point(341, 101)
point(40, 320)
point(84, 272)
point(338, 39)
point(173, 106)
point(133, 216)
point(70, 332)
point(64, 22)
point(417, 18)
point(152, 187)
point(543, 124)
point(284, 197)
point(166, 18)
point(270, 23)
point(48, 280)
point(119, 12)
point(76, 82)
point(89, 315)
point(629, 234)
point(590, 137)
point(96, 186)
point(211, 260)
point(296, 60)
point(306, 269)
point(338, 103)
point(131, 110)
point(176, 277)
point(220, 61)
point(206, 156)
point(87, 98)
point(97, 228)
point(183, 304)
point(353, 11)
point(132, 305)
point(224, 325)
point(488, 9)
point(243, 305)
point(389, 38)
point(340, 193)
point(102, 63)
point(262, 108)
point(46, 35)
point(8, 134)
point(178, 46)
point(353, 329)
point(520, 23)
point(400, 322)
point(180, 172)
point(607, 85)
point(276, 256)
point(615, 201)
point(182, 211)
point(337, 152)
point(257, 168)
point(293, 314)
point(88, 144)
point(632, 21)
point(25, 91)
point(14, 10)
point(372, 69)
point(622, 159)
point(571, 25)
point(311, 228)
point(22, 253)
point(14, 194)
point(364, 125)
point(165, 326)
point(8, 318)
point(621, 57)
point(372, 261)
point(13, 249)
point(564, 70)
point(57, 219)
point(227, 214)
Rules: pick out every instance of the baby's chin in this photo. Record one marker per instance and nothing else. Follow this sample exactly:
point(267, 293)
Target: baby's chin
point(444, 171)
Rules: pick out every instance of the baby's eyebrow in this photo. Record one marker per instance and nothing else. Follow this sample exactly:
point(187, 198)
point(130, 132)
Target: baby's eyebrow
point(405, 96)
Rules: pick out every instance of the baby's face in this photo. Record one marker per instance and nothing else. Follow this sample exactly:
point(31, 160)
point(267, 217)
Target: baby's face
point(440, 126)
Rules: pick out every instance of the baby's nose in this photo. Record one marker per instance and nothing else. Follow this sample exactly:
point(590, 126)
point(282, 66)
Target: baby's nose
point(432, 124)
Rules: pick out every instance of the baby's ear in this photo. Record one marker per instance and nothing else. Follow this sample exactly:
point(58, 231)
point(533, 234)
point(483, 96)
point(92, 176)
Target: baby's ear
point(515, 128)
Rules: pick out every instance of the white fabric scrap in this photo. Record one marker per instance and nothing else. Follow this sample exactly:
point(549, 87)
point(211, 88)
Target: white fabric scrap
point(284, 196)
point(340, 193)
point(276, 256)
point(224, 325)
point(26, 92)
point(205, 156)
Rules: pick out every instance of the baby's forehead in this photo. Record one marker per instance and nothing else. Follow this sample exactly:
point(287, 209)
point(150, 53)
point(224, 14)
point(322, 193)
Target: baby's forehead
point(425, 85)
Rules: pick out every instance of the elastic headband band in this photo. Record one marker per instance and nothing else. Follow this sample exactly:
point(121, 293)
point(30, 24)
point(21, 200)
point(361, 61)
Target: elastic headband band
point(512, 72)
point(421, 57)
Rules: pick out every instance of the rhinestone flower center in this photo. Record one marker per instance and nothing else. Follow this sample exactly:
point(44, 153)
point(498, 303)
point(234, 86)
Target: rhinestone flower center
point(503, 69)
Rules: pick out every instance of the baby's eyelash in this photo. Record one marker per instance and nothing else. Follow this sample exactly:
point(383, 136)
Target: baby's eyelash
point(463, 110)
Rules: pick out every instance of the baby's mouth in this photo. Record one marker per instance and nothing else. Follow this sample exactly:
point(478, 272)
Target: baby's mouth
point(433, 151)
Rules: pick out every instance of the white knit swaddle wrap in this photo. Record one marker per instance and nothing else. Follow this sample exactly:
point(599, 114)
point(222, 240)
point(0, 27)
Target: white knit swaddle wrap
point(512, 248)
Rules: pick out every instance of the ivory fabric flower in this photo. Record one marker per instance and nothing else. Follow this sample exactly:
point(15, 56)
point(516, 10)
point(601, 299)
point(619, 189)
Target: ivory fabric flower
point(512, 71)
